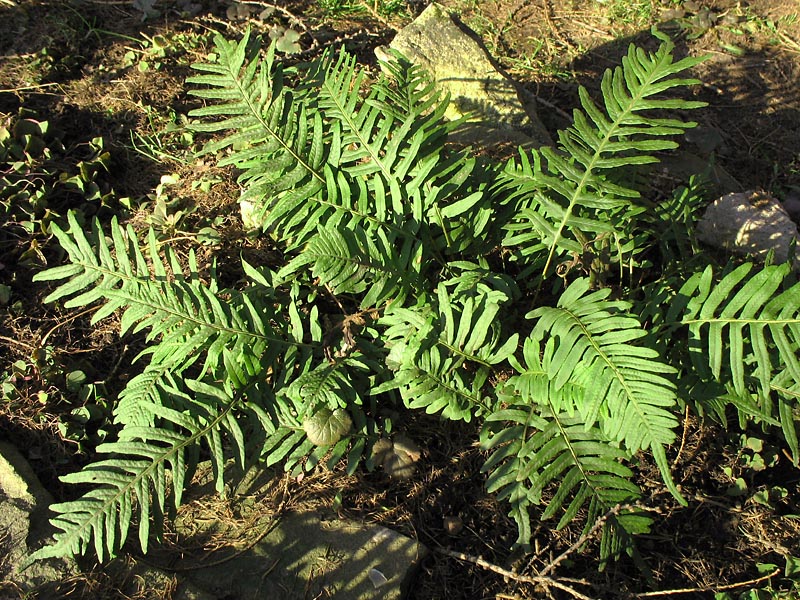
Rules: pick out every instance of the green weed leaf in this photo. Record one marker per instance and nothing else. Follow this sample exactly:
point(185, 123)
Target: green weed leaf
point(326, 427)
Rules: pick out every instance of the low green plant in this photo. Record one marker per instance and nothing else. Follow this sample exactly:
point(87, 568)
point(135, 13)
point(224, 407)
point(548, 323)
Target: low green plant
point(637, 13)
point(787, 588)
point(39, 178)
point(541, 297)
point(151, 53)
point(342, 8)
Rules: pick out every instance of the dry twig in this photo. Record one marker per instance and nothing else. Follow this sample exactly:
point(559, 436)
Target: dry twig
point(714, 589)
point(537, 580)
point(373, 10)
point(683, 437)
point(290, 15)
point(584, 537)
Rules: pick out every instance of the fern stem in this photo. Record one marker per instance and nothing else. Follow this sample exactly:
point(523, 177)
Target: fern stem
point(570, 448)
point(470, 357)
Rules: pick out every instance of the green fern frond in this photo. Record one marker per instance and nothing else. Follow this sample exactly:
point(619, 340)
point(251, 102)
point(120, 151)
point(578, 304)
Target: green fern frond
point(331, 387)
point(275, 141)
point(409, 89)
point(745, 315)
point(186, 315)
point(568, 197)
point(136, 478)
point(538, 440)
point(747, 325)
point(329, 384)
point(378, 137)
point(290, 445)
point(442, 353)
point(354, 261)
point(534, 449)
point(333, 159)
point(256, 111)
point(147, 388)
point(626, 386)
point(674, 222)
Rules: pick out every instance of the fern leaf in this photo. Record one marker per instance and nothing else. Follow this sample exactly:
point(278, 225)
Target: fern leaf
point(354, 261)
point(145, 389)
point(626, 386)
point(323, 389)
point(413, 89)
point(568, 196)
point(323, 158)
point(744, 316)
point(746, 326)
point(188, 316)
point(102, 517)
point(328, 384)
point(441, 358)
point(276, 143)
point(533, 449)
point(673, 225)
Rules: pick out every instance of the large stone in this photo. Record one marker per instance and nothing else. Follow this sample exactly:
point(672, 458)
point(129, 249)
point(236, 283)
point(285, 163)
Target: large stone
point(460, 65)
point(245, 552)
point(306, 555)
point(749, 223)
point(24, 525)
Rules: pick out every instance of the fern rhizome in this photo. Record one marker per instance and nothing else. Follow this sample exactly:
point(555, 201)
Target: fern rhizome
point(542, 297)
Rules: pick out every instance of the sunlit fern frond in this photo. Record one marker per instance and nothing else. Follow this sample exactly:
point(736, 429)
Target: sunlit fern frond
point(188, 317)
point(628, 390)
point(744, 329)
point(441, 353)
point(535, 452)
point(144, 476)
point(568, 197)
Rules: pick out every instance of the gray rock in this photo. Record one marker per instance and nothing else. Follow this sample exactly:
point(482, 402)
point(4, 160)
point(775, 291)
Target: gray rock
point(306, 555)
point(24, 525)
point(791, 203)
point(749, 223)
point(295, 556)
point(461, 66)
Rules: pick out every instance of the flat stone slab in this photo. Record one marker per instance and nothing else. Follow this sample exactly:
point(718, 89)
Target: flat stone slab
point(306, 555)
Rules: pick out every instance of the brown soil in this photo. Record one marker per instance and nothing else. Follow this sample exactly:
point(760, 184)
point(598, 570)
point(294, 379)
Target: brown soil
point(68, 62)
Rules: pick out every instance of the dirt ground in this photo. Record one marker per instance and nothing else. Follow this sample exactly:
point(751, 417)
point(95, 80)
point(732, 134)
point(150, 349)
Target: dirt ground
point(98, 69)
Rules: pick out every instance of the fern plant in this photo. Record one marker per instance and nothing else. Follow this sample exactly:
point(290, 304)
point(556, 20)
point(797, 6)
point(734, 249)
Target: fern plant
point(418, 276)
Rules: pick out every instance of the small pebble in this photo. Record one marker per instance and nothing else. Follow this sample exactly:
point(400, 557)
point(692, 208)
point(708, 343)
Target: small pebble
point(692, 5)
point(453, 525)
point(670, 14)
